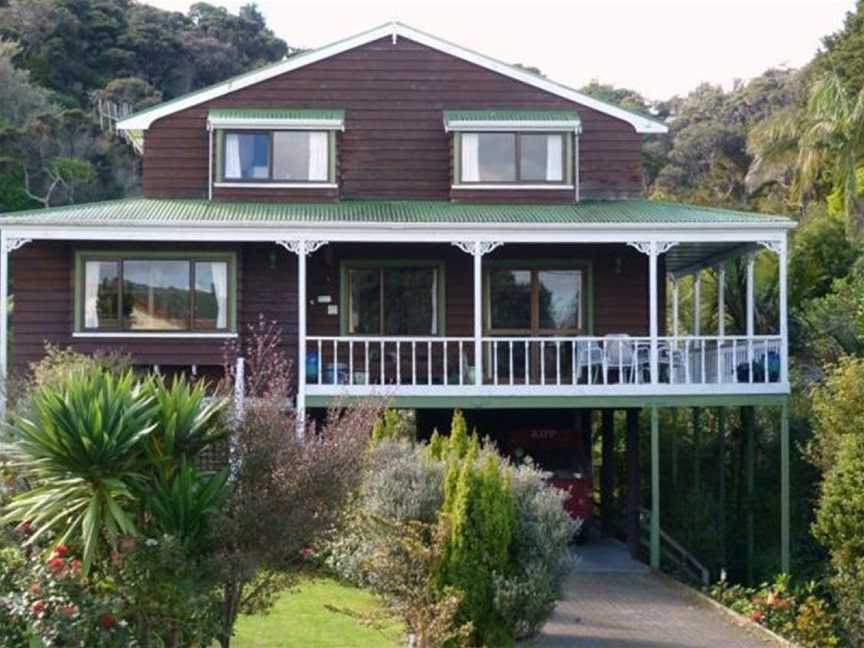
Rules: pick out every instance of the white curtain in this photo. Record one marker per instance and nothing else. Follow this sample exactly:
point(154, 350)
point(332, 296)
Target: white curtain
point(554, 158)
point(318, 163)
point(219, 273)
point(470, 157)
point(434, 326)
point(91, 294)
point(232, 155)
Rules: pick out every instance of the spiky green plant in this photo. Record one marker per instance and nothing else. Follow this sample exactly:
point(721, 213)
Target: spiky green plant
point(183, 500)
point(80, 447)
point(185, 422)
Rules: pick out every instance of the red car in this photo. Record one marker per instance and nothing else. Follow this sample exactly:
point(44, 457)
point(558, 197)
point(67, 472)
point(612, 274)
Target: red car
point(558, 452)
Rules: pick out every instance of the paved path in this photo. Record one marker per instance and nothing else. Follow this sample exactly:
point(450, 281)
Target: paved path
point(611, 600)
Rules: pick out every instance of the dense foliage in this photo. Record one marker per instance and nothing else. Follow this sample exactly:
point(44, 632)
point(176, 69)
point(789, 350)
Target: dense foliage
point(494, 537)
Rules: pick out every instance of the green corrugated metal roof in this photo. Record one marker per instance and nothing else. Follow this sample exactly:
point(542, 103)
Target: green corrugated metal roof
point(277, 113)
point(510, 116)
point(146, 211)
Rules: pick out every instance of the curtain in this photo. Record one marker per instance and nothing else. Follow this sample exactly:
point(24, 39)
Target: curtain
point(554, 158)
point(319, 146)
point(91, 294)
point(232, 156)
point(219, 273)
point(434, 301)
point(470, 157)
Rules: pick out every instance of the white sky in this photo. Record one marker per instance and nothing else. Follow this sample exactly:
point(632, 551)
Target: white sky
point(658, 47)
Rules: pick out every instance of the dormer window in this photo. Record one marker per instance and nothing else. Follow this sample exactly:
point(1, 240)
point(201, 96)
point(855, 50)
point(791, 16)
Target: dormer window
point(512, 157)
point(275, 147)
point(513, 149)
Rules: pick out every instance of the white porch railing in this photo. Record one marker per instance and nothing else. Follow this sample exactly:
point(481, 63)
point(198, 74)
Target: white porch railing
point(544, 361)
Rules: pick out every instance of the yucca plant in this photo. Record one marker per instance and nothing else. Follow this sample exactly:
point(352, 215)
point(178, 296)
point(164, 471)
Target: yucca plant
point(183, 501)
point(81, 448)
point(185, 421)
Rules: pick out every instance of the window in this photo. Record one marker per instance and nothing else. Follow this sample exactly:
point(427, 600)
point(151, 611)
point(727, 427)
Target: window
point(531, 158)
point(394, 300)
point(535, 301)
point(277, 156)
point(141, 294)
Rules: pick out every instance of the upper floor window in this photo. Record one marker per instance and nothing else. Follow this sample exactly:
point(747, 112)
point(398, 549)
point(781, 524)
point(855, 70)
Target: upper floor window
point(507, 158)
point(277, 156)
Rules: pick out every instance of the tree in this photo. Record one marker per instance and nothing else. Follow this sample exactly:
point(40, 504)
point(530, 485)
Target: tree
point(19, 97)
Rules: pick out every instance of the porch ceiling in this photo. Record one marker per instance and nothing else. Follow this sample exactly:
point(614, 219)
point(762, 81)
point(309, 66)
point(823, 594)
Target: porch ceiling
point(685, 258)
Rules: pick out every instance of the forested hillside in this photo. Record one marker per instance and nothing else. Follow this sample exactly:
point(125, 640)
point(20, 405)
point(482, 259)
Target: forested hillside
point(58, 58)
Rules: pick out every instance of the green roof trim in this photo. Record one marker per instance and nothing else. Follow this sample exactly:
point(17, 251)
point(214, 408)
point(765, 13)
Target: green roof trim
point(507, 116)
point(151, 211)
point(335, 114)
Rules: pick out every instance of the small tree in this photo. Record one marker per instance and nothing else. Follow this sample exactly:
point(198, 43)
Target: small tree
point(286, 491)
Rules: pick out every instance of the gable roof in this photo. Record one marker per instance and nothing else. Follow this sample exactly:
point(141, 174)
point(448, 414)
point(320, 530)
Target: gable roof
point(141, 121)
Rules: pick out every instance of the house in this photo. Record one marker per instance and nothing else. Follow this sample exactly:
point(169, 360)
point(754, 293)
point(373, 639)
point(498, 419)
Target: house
point(423, 222)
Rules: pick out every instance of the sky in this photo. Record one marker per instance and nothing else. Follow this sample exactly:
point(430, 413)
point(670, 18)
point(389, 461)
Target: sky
point(657, 47)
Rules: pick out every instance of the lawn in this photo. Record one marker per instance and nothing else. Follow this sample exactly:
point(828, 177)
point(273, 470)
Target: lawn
point(302, 618)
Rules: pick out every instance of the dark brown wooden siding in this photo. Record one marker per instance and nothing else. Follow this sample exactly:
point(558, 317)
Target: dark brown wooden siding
point(394, 144)
point(43, 285)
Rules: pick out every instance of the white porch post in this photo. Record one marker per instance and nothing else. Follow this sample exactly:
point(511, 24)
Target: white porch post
point(4, 319)
point(302, 248)
point(751, 261)
point(697, 303)
point(675, 306)
point(721, 301)
point(7, 244)
point(784, 325)
point(477, 249)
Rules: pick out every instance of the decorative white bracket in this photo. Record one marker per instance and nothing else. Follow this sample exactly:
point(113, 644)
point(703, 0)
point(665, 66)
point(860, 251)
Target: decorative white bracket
point(475, 248)
point(13, 244)
point(301, 246)
point(653, 247)
point(775, 246)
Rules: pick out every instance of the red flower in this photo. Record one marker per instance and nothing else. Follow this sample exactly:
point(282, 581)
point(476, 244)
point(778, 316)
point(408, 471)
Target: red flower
point(780, 603)
point(56, 565)
point(107, 620)
point(34, 588)
point(68, 611)
point(25, 527)
point(757, 616)
point(61, 550)
point(75, 565)
point(37, 608)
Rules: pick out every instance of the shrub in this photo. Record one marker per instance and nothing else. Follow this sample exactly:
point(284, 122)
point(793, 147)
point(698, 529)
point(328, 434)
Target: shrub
point(797, 613)
point(58, 363)
point(839, 527)
point(393, 425)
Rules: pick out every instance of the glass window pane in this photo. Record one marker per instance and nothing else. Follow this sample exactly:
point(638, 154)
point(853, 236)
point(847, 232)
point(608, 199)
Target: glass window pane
point(365, 305)
point(291, 155)
point(156, 295)
point(497, 157)
point(510, 299)
point(101, 298)
point(560, 299)
point(541, 157)
point(247, 156)
point(211, 295)
point(410, 301)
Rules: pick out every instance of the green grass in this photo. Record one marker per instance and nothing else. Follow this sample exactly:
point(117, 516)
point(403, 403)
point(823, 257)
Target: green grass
point(302, 619)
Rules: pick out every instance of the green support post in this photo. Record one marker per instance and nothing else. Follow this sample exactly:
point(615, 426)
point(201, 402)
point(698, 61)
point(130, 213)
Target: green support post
point(747, 422)
point(655, 489)
point(721, 465)
point(785, 556)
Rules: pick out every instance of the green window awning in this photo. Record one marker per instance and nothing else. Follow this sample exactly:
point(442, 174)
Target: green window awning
point(543, 120)
point(297, 118)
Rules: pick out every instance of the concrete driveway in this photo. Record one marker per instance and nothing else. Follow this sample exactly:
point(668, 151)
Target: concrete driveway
point(611, 600)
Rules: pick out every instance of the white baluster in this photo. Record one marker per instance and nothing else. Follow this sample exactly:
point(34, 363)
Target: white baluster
point(413, 362)
point(542, 344)
point(428, 362)
point(510, 361)
point(366, 360)
point(398, 362)
point(351, 362)
point(335, 361)
point(320, 361)
point(495, 362)
point(460, 362)
point(526, 344)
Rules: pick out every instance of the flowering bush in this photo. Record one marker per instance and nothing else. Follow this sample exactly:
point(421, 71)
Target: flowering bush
point(798, 614)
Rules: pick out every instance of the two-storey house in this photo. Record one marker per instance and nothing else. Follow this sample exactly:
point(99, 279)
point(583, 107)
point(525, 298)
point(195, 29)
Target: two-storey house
point(423, 222)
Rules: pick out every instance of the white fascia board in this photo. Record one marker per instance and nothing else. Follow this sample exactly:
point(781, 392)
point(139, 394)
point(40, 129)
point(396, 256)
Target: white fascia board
point(144, 119)
point(401, 232)
point(276, 124)
point(476, 126)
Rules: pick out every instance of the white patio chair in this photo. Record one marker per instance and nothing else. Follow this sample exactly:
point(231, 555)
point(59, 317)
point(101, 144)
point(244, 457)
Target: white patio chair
point(619, 354)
